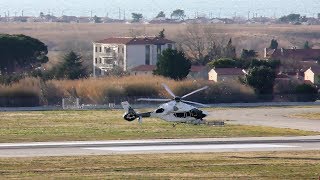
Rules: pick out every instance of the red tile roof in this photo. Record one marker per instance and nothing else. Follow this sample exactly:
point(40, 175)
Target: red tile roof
point(315, 69)
point(197, 68)
point(301, 54)
point(135, 40)
point(144, 68)
point(229, 71)
point(282, 76)
point(153, 67)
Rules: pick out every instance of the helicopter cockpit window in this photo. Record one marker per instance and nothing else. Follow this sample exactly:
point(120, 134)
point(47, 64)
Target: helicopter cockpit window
point(161, 110)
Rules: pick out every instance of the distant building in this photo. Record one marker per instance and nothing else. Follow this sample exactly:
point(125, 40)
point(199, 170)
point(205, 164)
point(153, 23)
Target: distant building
point(226, 74)
point(127, 52)
point(196, 72)
point(313, 75)
point(143, 70)
point(294, 53)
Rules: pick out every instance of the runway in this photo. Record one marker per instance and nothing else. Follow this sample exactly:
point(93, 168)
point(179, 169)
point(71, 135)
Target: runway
point(278, 117)
point(159, 146)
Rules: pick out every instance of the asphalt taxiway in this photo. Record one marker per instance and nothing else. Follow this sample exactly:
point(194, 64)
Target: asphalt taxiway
point(79, 148)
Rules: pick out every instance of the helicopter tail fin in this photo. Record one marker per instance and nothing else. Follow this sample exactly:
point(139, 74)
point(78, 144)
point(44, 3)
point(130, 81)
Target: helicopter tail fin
point(131, 114)
point(126, 106)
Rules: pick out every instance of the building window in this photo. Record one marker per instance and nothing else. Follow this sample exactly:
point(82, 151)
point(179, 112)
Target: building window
point(100, 60)
point(170, 46)
point(158, 51)
point(147, 55)
point(100, 49)
point(96, 61)
point(96, 49)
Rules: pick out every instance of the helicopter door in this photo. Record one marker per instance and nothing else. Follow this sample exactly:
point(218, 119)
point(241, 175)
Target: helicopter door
point(180, 115)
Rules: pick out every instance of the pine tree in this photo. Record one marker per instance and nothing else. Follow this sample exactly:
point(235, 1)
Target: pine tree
point(229, 51)
point(173, 64)
point(306, 45)
point(274, 44)
point(161, 34)
point(71, 67)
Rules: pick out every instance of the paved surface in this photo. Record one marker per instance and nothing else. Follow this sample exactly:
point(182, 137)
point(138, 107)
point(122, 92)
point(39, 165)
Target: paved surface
point(160, 146)
point(274, 117)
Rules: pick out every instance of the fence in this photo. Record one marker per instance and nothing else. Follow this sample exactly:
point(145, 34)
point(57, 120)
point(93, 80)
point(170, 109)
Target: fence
point(114, 102)
point(70, 103)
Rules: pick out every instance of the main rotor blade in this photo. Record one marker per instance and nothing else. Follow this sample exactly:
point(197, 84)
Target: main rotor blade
point(155, 100)
point(190, 102)
point(194, 92)
point(168, 90)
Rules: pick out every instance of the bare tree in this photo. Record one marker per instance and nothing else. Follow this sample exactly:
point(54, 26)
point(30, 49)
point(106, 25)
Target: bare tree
point(200, 43)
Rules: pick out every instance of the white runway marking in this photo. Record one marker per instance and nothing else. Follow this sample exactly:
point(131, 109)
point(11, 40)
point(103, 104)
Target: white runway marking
point(188, 147)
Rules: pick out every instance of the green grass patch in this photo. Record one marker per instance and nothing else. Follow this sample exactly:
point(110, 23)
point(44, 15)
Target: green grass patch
point(312, 116)
point(109, 125)
point(244, 165)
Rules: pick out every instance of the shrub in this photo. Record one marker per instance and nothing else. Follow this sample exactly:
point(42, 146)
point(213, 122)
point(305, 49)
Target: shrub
point(306, 92)
point(26, 92)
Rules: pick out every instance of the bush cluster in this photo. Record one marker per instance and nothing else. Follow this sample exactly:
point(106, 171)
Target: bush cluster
point(115, 89)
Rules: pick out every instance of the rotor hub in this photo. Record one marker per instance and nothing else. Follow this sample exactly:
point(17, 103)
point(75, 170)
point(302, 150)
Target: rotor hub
point(177, 99)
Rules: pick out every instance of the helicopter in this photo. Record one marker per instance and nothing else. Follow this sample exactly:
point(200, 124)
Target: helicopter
point(175, 110)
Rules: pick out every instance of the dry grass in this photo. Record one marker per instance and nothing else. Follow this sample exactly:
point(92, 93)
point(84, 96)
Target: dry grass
point(244, 165)
point(312, 116)
point(28, 85)
point(109, 125)
point(61, 37)
point(100, 90)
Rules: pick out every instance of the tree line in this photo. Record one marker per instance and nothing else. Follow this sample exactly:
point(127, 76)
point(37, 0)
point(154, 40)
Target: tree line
point(23, 56)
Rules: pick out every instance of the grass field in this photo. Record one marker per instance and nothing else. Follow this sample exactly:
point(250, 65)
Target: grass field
point(313, 116)
point(109, 125)
point(251, 165)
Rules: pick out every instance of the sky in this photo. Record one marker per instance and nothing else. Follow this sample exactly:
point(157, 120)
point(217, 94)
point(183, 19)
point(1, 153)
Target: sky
point(150, 8)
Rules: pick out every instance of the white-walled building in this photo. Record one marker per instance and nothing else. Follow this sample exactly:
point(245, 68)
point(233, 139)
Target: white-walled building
point(313, 75)
point(226, 74)
point(127, 52)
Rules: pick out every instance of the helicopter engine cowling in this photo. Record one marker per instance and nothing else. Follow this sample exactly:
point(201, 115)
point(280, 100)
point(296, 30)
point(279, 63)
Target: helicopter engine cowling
point(198, 114)
point(130, 116)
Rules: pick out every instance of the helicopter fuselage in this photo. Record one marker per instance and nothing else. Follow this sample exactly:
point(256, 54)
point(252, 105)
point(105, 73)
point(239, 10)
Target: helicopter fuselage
point(178, 112)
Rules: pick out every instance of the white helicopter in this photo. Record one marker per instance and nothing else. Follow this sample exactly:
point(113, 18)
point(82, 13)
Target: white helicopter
point(175, 110)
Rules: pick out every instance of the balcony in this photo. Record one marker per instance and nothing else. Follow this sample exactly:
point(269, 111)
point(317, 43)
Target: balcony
point(105, 66)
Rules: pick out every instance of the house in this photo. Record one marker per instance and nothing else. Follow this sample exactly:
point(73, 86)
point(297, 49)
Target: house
point(127, 52)
point(196, 72)
point(226, 74)
point(292, 54)
point(143, 70)
point(313, 75)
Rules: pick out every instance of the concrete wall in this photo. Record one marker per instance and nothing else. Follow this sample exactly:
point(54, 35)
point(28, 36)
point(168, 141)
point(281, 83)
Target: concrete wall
point(136, 56)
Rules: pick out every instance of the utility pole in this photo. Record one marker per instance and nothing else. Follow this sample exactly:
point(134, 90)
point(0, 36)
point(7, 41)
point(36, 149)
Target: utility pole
point(22, 13)
point(119, 14)
point(124, 14)
point(248, 15)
